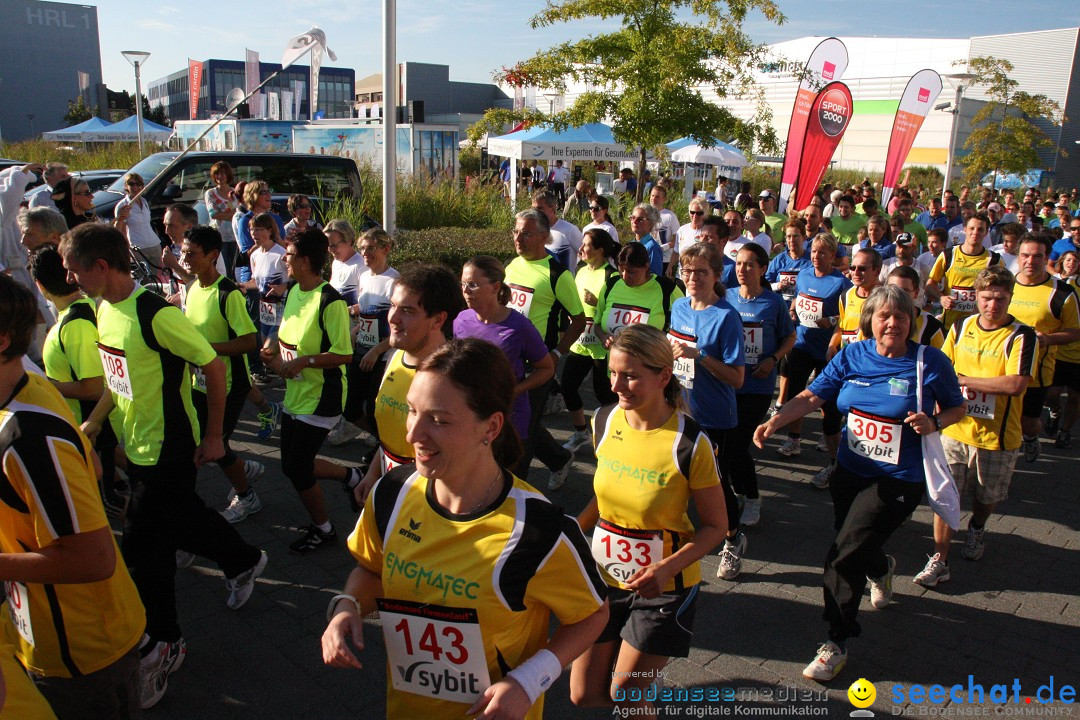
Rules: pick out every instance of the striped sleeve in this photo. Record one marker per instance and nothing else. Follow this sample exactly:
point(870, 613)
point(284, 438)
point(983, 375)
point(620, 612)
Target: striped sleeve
point(1023, 348)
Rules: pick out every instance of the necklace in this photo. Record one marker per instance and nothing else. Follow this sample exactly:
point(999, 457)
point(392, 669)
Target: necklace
point(481, 503)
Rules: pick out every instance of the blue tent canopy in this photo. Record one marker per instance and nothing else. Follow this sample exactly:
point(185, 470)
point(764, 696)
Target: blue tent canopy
point(588, 142)
point(128, 129)
point(75, 133)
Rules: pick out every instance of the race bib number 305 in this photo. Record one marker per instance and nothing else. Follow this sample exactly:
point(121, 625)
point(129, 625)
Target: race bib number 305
point(874, 437)
point(434, 651)
point(621, 552)
point(809, 309)
point(117, 374)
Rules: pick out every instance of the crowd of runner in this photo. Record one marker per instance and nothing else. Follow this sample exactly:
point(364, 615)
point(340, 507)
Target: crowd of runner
point(920, 330)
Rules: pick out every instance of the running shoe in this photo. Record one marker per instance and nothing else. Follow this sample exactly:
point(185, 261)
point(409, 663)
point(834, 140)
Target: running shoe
point(241, 586)
point(827, 664)
point(252, 471)
point(821, 445)
point(268, 421)
point(1064, 440)
point(555, 404)
point(313, 539)
point(773, 410)
point(344, 432)
point(935, 572)
point(352, 479)
point(164, 659)
point(790, 447)
point(1053, 423)
point(881, 588)
point(1031, 449)
point(974, 544)
point(184, 559)
point(751, 512)
point(240, 507)
point(580, 439)
point(731, 556)
point(821, 479)
point(558, 477)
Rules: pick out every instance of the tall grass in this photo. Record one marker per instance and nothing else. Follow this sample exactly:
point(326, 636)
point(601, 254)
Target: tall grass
point(96, 156)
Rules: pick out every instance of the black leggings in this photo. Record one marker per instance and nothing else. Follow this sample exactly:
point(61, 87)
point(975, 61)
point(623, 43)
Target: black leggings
point(575, 368)
point(797, 366)
point(721, 440)
point(300, 444)
point(362, 388)
point(234, 405)
point(751, 409)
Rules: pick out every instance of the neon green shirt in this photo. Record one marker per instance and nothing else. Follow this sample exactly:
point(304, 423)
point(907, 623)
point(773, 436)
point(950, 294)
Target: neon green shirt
point(315, 322)
point(70, 352)
point(219, 312)
point(531, 294)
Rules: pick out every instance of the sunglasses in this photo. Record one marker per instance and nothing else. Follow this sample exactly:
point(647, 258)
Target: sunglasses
point(594, 208)
point(85, 193)
point(134, 184)
point(697, 212)
point(303, 207)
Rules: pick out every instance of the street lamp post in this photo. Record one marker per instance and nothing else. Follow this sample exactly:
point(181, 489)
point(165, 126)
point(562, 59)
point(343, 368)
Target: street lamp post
point(959, 79)
point(137, 58)
point(31, 117)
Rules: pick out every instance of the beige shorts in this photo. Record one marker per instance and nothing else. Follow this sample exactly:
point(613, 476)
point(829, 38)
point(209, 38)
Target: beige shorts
point(986, 473)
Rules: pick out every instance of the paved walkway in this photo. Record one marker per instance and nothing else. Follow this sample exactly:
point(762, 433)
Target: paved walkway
point(1013, 615)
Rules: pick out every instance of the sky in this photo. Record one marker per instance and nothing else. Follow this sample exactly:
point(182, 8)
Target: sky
point(478, 37)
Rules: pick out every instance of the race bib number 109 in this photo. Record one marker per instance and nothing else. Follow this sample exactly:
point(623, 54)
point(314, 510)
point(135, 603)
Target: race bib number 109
point(434, 651)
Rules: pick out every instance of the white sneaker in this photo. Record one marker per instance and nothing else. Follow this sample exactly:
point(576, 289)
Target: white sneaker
point(751, 512)
point(821, 445)
point(184, 559)
point(252, 471)
point(881, 588)
point(731, 556)
point(580, 439)
point(240, 507)
point(790, 448)
point(555, 404)
point(935, 572)
point(821, 479)
point(155, 669)
point(343, 433)
point(827, 664)
point(241, 586)
point(558, 477)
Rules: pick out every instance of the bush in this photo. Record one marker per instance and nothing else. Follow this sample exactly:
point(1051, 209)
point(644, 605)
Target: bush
point(761, 177)
point(451, 246)
point(100, 156)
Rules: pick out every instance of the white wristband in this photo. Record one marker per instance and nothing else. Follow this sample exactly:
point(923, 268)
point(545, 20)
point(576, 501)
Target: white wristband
point(536, 674)
point(333, 605)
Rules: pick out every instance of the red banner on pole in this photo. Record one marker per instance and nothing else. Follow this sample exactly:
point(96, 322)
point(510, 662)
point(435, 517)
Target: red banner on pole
point(922, 90)
point(195, 74)
point(830, 115)
point(826, 64)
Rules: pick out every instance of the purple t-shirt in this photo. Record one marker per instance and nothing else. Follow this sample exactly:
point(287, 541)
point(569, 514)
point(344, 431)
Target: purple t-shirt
point(519, 340)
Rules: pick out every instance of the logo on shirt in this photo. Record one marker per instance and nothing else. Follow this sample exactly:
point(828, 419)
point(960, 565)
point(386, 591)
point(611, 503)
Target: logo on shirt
point(858, 382)
point(410, 532)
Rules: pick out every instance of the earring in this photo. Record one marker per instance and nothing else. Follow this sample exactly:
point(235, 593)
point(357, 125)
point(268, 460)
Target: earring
point(486, 441)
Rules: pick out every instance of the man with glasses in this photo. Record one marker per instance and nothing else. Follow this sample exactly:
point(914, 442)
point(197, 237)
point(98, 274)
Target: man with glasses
point(579, 199)
point(54, 174)
point(565, 238)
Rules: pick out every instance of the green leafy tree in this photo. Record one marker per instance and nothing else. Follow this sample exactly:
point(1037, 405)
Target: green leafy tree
point(156, 115)
point(78, 112)
point(643, 76)
point(1005, 137)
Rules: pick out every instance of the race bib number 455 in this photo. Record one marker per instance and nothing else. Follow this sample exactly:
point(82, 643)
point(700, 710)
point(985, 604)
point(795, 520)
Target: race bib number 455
point(434, 651)
point(809, 309)
point(874, 437)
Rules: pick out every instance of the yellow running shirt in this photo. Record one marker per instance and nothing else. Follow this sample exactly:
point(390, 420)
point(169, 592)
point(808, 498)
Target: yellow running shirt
point(959, 269)
point(391, 410)
point(51, 492)
point(850, 312)
point(467, 598)
point(643, 482)
point(1049, 307)
point(992, 421)
point(1071, 352)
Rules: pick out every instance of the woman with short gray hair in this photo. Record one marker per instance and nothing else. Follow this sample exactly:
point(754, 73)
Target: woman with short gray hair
point(643, 218)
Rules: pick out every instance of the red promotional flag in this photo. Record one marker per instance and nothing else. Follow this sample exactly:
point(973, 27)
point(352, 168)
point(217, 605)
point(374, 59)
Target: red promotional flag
point(826, 64)
point(195, 72)
point(922, 90)
point(830, 114)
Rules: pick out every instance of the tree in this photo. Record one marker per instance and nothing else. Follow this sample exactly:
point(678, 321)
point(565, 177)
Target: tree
point(644, 77)
point(156, 115)
point(1006, 138)
point(78, 112)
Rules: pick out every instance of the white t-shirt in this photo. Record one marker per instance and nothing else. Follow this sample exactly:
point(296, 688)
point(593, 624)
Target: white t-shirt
point(1009, 260)
point(668, 232)
point(687, 236)
point(268, 267)
point(345, 277)
point(570, 232)
point(924, 263)
point(43, 199)
point(139, 231)
point(216, 202)
point(603, 226)
point(374, 294)
point(733, 245)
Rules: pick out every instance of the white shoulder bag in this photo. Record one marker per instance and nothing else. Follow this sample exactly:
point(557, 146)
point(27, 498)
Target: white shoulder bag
point(941, 490)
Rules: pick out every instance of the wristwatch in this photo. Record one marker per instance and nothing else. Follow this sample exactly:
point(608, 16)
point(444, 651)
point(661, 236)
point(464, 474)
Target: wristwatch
point(311, 360)
point(937, 422)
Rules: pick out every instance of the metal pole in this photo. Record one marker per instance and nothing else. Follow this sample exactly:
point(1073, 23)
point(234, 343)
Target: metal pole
point(390, 103)
point(138, 104)
point(952, 140)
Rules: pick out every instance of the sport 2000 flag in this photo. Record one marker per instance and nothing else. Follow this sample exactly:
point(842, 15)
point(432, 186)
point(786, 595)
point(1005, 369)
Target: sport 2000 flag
point(830, 115)
point(922, 90)
point(826, 64)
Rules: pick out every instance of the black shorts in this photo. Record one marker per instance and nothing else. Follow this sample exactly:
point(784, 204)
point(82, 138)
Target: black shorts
point(1033, 402)
point(1067, 374)
point(661, 626)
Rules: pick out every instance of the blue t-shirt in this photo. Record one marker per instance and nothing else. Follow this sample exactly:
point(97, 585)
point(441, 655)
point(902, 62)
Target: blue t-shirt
point(930, 223)
point(656, 255)
point(877, 393)
point(766, 322)
point(717, 331)
point(783, 264)
point(885, 248)
point(817, 297)
point(728, 276)
point(1061, 247)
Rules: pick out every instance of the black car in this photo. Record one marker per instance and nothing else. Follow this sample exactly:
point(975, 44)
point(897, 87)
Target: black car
point(323, 178)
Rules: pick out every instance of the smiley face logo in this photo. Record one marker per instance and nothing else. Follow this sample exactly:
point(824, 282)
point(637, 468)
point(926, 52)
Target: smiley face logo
point(862, 693)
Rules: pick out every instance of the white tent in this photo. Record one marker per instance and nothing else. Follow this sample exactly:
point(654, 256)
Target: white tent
point(128, 130)
point(78, 132)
